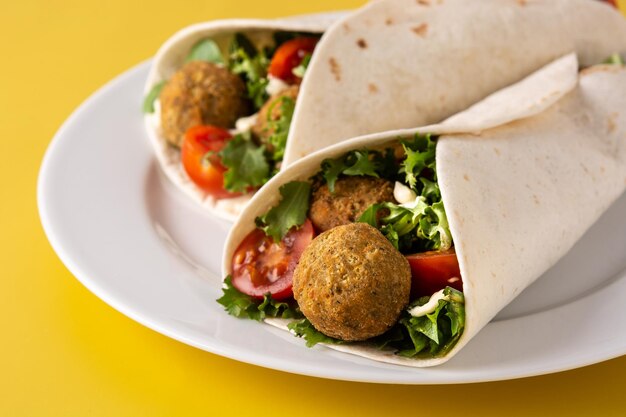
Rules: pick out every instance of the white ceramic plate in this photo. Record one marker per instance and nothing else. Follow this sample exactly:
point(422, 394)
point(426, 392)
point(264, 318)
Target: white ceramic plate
point(136, 242)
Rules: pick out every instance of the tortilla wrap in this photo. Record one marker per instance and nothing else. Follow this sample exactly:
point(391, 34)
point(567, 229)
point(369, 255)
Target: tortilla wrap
point(398, 64)
point(550, 167)
point(171, 57)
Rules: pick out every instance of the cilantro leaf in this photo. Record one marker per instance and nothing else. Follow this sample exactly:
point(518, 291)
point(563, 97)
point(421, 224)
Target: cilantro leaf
point(205, 50)
point(148, 102)
point(310, 334)
point(246, 164)
point(290, 212)
point(241, 305)
point(280, 127)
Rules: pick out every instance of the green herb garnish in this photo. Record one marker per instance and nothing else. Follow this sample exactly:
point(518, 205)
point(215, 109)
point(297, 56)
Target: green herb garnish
point(361, 162)
point(246, 164)
point(290, 212)
point(243, 306)
point(304, 329)
point(251, 64)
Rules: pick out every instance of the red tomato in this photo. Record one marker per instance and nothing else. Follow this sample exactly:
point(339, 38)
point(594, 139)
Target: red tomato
point(288, 56)
point(613, 2)
point(260, 266)
point(206, 171)
point(433, 271)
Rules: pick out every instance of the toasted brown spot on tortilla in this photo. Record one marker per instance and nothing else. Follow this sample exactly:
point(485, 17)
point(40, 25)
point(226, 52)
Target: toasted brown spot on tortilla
point(602, 169)
point(584, 167)
point(373, 88)
point(421, 30)
point(423, 2)
point(346, 27)
point(536, 199)
point(465, 177)
point(459, 217)
point(334, 68)
point(389, 21)
point(521, 2)
point(493, 274)
point(361, 43)
point(611, 123)
point(497, 151)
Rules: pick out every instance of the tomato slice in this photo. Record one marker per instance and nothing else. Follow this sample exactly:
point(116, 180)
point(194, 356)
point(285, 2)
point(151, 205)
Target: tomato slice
point(201, 162)
point(288, 56)
point(260, 266)
point(433, 271)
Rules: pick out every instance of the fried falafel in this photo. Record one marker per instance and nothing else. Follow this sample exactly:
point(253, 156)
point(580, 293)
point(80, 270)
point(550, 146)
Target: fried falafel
point(201, 93)
point(352, 196)
point(272, 111)
point(351, 283)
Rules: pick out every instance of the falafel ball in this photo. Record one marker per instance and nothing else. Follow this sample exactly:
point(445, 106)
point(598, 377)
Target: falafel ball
point(201, 93)
point(352, 196)
point(271, 112)
point(351, 283)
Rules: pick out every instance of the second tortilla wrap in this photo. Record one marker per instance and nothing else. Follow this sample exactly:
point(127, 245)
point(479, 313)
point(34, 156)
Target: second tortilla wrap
point(403, 63)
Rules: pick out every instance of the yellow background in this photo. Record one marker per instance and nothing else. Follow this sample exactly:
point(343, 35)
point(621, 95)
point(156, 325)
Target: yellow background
point(63, 352)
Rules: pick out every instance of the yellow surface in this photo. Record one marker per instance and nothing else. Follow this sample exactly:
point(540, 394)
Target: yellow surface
point(63, 352)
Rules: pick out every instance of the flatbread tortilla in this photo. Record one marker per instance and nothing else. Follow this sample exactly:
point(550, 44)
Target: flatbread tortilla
point(520, 184)
point(398, 64)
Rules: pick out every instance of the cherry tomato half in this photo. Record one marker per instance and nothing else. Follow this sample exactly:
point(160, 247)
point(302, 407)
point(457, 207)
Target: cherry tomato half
point(433, 271)
point(288, 56)
point(200, 159)
point(260, 266)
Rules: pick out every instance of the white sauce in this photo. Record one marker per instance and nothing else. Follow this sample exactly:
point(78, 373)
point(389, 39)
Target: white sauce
point(244, 124)
point(275, 86)
point(430, 306)
point(403, 194)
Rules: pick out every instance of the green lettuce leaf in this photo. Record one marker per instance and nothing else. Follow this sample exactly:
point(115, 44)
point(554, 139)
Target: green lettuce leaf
point(243, 306)
point(206, 50)
point(290, 212)
point(411, 228)
point(422, 225)
point(250, 63)
point(246, 164)
point(433, 334)
point(419, 161)
point(310, 334)
point(152, 96)
point(360, 162)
